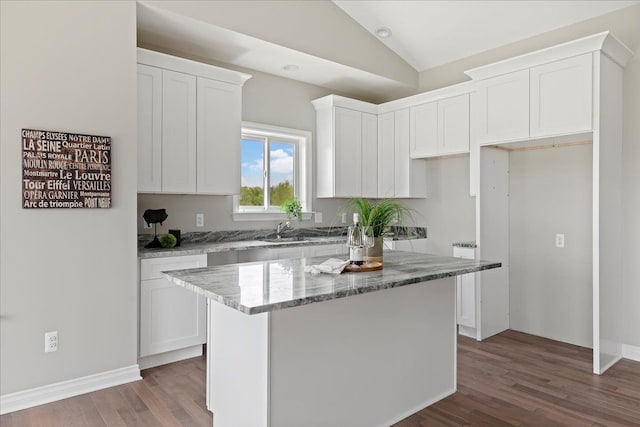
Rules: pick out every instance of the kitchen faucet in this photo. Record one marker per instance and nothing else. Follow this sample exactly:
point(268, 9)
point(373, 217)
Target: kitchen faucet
point(281, 227)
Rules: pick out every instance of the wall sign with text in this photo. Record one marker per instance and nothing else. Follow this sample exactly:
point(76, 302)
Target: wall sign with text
point(65, 170)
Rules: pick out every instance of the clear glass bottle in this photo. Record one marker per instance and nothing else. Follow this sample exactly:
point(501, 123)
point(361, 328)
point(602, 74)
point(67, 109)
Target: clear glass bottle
point(355, 241)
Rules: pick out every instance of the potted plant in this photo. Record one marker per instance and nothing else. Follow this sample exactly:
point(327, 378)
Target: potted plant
point(379, 215)
point(292, 208)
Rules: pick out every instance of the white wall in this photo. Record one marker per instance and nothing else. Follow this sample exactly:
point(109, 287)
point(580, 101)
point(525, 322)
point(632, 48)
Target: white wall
point(67, 66)
point(449, 211)
point(550, 288)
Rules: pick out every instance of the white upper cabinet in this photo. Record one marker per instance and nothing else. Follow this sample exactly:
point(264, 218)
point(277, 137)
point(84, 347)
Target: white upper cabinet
point(219, 117)
point(500, 108)
point(361, 153)
point(189, 119)
point(369, 155)
point(347, 148)
point(149, 128)
point(453, 125)
point(424, 130)
point(562, 96)
point(348, 152)
point(440, 128)
point(551, 99)
point(386, 155)
point(401, 176)
point(178, 132)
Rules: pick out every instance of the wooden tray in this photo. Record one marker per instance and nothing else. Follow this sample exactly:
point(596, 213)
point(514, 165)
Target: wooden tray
point(370, 266)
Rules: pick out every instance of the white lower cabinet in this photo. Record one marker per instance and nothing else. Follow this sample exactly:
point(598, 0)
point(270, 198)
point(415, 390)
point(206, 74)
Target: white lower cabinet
point(466, 295)
point(171, 318)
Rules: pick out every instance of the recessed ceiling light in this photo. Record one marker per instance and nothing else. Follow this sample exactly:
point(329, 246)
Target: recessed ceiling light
point(383, 32)
point(291, 67)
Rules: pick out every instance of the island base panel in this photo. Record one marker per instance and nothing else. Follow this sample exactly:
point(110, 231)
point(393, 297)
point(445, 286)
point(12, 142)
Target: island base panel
point(367, 360)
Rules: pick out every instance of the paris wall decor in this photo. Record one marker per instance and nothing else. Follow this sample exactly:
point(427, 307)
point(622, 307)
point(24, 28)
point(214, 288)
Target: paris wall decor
point(65, 170)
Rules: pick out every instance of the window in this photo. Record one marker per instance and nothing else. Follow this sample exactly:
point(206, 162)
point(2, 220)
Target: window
point(275, 166)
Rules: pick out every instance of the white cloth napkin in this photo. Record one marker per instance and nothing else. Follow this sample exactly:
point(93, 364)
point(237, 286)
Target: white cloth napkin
point(330, 266)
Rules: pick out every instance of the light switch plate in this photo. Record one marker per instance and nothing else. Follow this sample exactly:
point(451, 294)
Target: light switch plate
point(318, 217)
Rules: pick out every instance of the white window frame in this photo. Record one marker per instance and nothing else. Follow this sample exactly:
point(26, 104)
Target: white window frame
point(302, 173)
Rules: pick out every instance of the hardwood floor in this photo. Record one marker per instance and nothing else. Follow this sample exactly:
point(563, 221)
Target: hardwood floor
point(169, 395)
point(516, 379)
point(512, 379)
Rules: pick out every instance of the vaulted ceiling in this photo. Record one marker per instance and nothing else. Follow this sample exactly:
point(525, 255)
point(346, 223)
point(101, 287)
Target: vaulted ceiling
point(333, 43)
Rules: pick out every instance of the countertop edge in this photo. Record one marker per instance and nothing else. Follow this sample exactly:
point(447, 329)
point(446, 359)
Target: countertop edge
point(339, 294)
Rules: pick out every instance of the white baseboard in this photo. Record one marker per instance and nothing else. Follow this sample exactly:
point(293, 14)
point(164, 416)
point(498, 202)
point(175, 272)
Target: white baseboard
point(170, 357)
point(420, 407)
point(12, 402)
point(631, 352)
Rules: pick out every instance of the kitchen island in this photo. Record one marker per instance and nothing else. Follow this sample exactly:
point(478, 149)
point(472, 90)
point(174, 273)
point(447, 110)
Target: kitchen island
point(288, 348)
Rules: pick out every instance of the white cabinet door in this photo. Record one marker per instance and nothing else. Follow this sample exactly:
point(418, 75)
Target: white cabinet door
point(348, 152)
point(149, 128)
point(218, 137)
point(466, 302)
point(453, 125)
point(369, 155)
point(402, 157)
point(178, 132)
point(171, 317)
point(424, 130)
point(500, 108)
point(386, 155)
point(398, 174)
point(562, 96)
point(466, 291)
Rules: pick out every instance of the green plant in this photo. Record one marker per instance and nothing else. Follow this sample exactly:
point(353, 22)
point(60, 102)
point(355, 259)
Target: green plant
point(379, 215)
point(168, 240)
point(292, 208)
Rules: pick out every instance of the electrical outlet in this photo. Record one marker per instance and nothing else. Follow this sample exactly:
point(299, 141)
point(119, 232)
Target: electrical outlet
point(50, 341)
point(559, 240)
point(344, 217)
point(318, 217)
point(199, 220)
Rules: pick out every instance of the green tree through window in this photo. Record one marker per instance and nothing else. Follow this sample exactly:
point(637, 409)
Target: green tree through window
point(267, 163)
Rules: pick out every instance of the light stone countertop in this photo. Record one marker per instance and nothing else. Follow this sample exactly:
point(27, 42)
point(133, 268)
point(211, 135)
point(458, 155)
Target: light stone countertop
point(258, 287)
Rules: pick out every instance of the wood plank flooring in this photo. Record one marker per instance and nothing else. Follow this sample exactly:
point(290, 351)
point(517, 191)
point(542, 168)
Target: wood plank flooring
point(516, 379)
point(512, 379)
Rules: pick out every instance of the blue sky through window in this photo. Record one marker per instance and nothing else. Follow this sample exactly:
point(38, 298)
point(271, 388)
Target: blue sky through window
point(252, 163)
point(280, 165)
